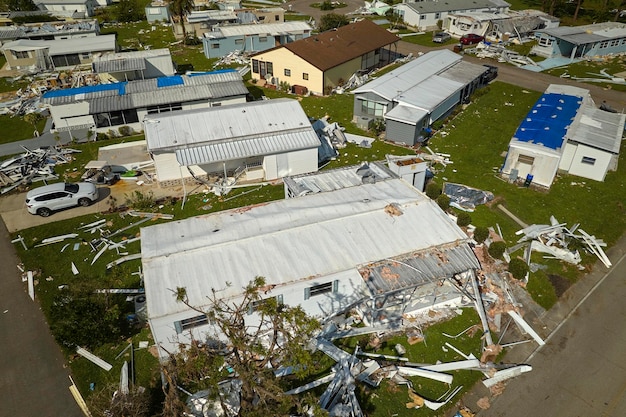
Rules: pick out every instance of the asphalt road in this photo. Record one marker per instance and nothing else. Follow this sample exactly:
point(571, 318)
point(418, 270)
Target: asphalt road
point(33, 376)
point(527, 79)
point(581, 370)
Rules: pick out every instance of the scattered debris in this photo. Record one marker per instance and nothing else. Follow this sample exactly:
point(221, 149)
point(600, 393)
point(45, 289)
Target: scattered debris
point(555, 238)
point(79, 398)
point(31, 285)
point(93, 358)
point(32, 166)
point(466, 198)
point(74, 269)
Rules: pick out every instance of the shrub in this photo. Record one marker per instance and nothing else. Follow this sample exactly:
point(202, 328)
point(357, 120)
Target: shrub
point(101, 136)
point(518, 268)
point(463, 219)
point(481, 234)
point(326, 5)
point(284, 86)
point(433, 190)
point(443, 201)
point(125, 130)
point(378, 126)
point(140, 201)
point(496, 249)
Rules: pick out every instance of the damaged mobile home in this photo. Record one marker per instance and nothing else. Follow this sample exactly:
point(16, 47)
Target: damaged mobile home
point(564, 132)
point(383, 247)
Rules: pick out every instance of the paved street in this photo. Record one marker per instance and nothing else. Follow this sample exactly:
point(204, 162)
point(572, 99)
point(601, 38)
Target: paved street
point(33, 376)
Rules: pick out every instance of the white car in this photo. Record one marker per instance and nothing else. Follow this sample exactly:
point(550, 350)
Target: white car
point(44, 200)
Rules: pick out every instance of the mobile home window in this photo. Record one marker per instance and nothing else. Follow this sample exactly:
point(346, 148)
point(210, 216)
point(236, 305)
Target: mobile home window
point(238, 41)
point(320, 289)
point(262, 38)
point(525, 159)
point(215, 46)
point(589, 161)
point(254, 305)
point(190, 323)
point(255, 66)
point(287, 72)
point(372, 108)
point(422, 16)
point(20, 54)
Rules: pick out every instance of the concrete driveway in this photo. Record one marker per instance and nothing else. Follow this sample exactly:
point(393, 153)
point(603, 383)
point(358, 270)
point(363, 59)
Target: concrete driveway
point(16, 217)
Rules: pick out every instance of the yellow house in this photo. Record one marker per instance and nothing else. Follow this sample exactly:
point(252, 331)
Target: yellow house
point(327, 60)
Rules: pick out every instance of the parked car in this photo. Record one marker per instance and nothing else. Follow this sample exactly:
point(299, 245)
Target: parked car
point(471, 38)
point(441, 37)
point(44, 200)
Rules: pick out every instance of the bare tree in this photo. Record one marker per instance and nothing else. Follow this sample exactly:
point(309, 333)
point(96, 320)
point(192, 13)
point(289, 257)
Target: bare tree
point(255, 335)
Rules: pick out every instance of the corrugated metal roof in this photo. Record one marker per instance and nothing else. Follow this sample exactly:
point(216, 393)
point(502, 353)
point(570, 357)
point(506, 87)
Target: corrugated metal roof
point(11, 33)
point(294, 240)
point(599, 129)
point(239, 148)
point(143, 93)
point(430, 93)
point(433, 264)
point(119, 65)
point(181, 130)
point(265, 28)
point(336, 179)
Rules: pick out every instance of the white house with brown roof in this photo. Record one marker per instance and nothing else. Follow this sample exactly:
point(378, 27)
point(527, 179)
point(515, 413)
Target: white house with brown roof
point(325, 61)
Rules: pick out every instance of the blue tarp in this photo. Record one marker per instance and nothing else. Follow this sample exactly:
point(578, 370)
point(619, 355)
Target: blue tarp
point(169, 81)
point(121, 87)
point(547, 122)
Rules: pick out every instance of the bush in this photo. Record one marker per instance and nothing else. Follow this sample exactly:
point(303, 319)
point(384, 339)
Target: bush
point(433, 190)
point(125, 130)
point(518, 268)
point(481, 234)
point(101, 136)
point(284, 86)
point(444, 202)
point(496, 249)
point(464, 219)
point(140, 201)
point(326, 5)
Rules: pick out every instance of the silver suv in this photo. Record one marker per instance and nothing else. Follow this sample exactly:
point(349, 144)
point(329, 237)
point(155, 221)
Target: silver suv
point(44, 200)
point(441, 37)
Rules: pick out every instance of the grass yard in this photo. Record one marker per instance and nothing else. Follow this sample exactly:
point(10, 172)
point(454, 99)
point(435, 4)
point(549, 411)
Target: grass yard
point(591, 69)
point(477, 148)
point(15, 128)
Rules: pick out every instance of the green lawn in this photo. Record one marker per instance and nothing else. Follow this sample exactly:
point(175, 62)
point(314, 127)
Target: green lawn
point(15, 128)
point(591, 69)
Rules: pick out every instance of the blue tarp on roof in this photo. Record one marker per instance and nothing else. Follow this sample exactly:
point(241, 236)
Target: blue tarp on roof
point(548, 120)
point(120, 87)
point(170, 81)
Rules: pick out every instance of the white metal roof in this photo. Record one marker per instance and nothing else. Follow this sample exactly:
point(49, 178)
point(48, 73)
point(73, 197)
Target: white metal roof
point(290, 240)
point(66, 46)
point(270, 29)
point(599, 129)
point(180, 130)
point(410, 74)
point(406, 114)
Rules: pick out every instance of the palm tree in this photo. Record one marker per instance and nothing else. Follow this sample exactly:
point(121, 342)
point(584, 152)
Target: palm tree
point(180, 9)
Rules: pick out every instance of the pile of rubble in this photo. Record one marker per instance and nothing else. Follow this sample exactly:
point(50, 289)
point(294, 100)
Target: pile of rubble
point(501, 54)
point(32, 166)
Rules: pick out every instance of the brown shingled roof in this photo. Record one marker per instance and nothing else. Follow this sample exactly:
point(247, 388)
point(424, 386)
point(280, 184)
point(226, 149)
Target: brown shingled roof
point(334, 47)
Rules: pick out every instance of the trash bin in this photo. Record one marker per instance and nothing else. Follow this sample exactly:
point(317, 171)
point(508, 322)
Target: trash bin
point(529, 179)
